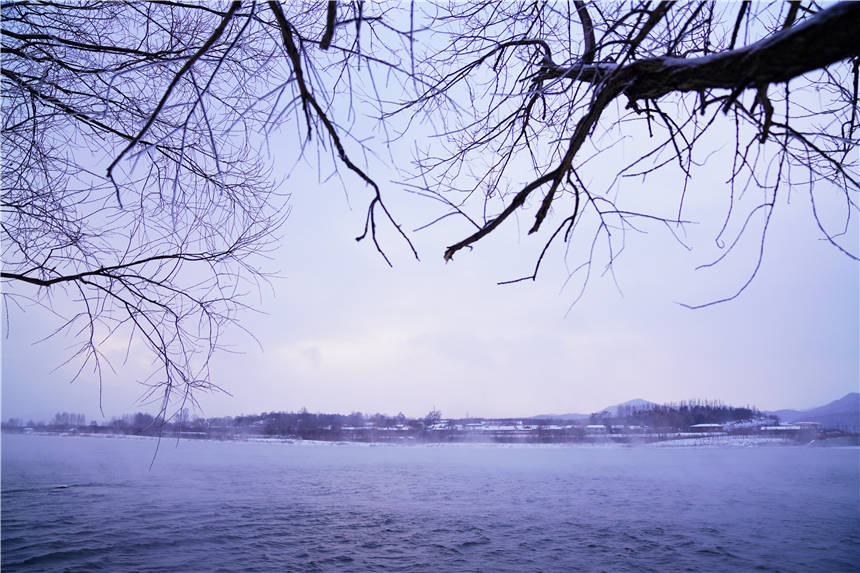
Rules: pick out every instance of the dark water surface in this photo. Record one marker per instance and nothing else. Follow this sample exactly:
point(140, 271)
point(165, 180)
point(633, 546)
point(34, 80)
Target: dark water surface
point(93, 504)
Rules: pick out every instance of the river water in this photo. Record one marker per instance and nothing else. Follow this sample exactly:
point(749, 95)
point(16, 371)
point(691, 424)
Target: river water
point(94, 504)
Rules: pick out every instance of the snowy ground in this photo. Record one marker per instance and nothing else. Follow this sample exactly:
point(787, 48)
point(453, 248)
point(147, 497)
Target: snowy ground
point(723, 441)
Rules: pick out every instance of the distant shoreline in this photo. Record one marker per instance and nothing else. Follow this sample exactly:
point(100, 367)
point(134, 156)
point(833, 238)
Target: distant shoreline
point(679, 441)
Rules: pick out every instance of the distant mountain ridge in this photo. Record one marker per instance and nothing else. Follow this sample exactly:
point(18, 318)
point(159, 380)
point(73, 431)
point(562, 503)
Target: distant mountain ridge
point(634, 404)
point(843, 413)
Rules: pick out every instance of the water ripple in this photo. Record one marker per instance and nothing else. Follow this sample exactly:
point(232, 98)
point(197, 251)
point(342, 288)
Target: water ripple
point(232, 507)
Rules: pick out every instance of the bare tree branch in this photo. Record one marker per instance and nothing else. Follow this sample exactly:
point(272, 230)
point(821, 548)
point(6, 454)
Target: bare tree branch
point(135, 180)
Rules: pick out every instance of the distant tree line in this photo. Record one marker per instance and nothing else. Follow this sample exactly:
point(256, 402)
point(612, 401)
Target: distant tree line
point(68, 419)
point(678, 415)
point(357, 426)
point(60, 420)
point(301, 424)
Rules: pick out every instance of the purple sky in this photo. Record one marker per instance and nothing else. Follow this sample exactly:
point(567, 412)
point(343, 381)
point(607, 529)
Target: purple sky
point(340, 331)
point(343, 332)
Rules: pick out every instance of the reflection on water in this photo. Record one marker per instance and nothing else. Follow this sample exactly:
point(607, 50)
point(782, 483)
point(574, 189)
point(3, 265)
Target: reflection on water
point(93, 504)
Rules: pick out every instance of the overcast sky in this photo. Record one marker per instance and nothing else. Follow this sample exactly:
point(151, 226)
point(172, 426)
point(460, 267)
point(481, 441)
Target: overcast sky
point(340, 331)
point(343, 332)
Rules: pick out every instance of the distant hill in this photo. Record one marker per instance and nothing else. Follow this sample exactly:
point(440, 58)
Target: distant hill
point(634, 404)
point(843, 413)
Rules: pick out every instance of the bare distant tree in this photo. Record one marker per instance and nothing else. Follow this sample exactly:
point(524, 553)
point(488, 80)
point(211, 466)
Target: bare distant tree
point(135, 172)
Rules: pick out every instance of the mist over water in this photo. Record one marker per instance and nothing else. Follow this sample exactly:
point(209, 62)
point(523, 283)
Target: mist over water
point(93, 504)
